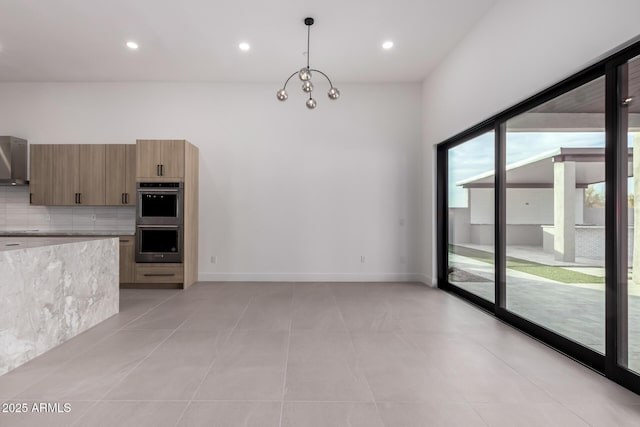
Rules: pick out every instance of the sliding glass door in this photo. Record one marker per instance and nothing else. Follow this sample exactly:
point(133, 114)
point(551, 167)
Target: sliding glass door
point(538, 212)
point(555, 215)
point(471, 265)
point(629, 289)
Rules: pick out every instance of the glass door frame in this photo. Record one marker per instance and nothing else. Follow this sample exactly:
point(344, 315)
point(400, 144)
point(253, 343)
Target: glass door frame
point(616, 154)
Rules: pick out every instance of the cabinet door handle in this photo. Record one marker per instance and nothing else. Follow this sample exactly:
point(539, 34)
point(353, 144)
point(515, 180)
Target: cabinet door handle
point(122, 198)
point(159, 274)
point(76, 196)
point(161, 170)
point(158, 170)
point(126, 198)
point(30, 198)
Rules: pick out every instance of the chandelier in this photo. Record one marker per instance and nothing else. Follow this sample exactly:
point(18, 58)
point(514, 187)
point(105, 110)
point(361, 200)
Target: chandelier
point(305, 76)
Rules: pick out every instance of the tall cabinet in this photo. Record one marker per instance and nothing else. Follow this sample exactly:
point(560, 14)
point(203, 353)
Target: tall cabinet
point(167, 161)
point(161, 160)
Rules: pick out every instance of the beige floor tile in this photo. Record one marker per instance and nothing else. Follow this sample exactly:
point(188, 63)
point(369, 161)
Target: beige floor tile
point(330, 414)
point(133, 414)
point(315, 309)
point(232, 414)
point(168, 315)
point(95, 372)
point(432, 415)
point(528, 415)
point(174, 370)
point(608, 414)
point(323, 367)
point(216, 315)
point(268, 312)
point(251, 366)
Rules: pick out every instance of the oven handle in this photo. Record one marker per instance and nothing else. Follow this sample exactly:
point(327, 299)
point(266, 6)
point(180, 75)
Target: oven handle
point(158, 226)
point(158, 190)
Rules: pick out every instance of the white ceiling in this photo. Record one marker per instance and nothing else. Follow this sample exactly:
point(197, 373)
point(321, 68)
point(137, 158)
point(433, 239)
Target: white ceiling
point(197, 40)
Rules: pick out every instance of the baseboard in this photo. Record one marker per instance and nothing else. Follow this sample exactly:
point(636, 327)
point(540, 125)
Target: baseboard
point(311, 277)
point(429, 281)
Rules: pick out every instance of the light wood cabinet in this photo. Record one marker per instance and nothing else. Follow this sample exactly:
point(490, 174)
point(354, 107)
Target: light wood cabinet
point(159, 273)
point(120, 185)
point(78, 174)
point(166, 161)
point(160, 160)
point(91, 174)
point(82, 174)
point(40, 182)
point(64, 159)
point(127, 259)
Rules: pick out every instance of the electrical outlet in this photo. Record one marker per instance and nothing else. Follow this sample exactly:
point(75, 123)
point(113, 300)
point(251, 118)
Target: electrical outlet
point(214, 259)
point(362, 259)
point(93, 217)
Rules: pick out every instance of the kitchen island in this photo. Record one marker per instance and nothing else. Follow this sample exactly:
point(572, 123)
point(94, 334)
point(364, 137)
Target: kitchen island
point(52, 289)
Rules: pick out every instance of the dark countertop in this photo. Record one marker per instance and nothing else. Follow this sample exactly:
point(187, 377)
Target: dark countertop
point(65, 233)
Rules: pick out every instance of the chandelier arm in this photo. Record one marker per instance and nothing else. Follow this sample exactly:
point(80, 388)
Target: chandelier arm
point(325, 76)
point(285, 83)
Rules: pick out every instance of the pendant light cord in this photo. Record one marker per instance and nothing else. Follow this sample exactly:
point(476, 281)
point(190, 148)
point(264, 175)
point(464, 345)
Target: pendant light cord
point(308, 37)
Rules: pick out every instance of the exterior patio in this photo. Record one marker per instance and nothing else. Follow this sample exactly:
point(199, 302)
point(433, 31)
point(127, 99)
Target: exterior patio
point(574, 310)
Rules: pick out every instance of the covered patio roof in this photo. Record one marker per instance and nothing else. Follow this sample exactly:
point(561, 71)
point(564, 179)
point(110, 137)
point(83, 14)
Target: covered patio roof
point(537, 171)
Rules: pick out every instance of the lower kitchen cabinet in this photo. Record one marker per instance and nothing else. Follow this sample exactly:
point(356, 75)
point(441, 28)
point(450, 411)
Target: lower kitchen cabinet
point(127, 259)
point(159, 273)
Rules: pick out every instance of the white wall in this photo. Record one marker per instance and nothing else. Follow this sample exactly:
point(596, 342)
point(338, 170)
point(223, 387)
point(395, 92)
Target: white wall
point(524, 206)
point(519, 48)
point(285, 193)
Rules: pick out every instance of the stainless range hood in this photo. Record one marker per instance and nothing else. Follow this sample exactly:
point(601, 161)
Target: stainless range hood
point(13, 161)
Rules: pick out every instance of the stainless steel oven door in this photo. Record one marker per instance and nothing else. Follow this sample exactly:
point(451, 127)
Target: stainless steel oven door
point(159, 205)
point(159, 243)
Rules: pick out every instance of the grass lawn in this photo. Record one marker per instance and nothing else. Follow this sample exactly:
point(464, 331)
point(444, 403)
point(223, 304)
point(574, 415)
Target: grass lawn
point(541, 270)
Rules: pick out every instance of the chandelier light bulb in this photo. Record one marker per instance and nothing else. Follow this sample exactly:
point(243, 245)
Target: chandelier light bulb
point(282, 95)
point(334, 93)
point(311, 103)
point(307, 86)
point(304, 74)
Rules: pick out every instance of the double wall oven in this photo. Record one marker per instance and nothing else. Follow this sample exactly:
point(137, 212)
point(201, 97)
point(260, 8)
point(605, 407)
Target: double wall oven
point(159, 222)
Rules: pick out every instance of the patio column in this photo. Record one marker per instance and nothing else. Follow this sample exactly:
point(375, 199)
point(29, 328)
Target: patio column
point(636, 211)
point(564, 211)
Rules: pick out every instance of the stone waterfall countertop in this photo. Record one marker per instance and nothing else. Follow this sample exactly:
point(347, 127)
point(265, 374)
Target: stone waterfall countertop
point(64, 233)
point(52, 289)
point(26, 242)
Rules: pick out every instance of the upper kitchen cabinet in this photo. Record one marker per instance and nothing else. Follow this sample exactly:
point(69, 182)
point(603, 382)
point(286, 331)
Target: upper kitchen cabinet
point(120, 174)
point(40, 182)
point(68, 174)
point(160, 160)
point(78, 174)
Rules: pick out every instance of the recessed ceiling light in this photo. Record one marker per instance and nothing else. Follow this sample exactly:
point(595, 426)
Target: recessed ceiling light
point(387, 45)
point(132, 45)
point(244, 46)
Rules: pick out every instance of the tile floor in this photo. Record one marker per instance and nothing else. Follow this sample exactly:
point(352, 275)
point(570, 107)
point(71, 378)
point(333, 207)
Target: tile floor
point(309, 355)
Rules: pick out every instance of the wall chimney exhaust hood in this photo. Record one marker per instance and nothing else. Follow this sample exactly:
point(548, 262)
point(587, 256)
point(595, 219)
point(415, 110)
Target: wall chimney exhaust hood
point(13, 161)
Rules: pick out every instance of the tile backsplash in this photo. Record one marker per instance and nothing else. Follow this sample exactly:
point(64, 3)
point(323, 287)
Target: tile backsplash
point(17, 214)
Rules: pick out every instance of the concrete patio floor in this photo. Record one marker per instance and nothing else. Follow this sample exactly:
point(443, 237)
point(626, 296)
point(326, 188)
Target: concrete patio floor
point(573, 310)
